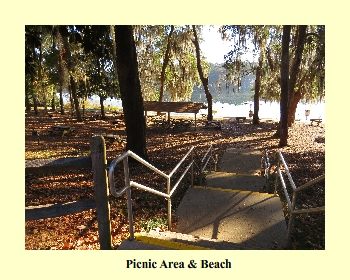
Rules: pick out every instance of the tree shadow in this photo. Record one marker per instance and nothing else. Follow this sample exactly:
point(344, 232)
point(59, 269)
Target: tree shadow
point(58, 209)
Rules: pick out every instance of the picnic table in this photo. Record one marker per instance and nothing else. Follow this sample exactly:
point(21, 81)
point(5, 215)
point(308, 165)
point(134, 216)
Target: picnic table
point(318, 121)
point(174, 107)
point(61, 129)
point(241, 119)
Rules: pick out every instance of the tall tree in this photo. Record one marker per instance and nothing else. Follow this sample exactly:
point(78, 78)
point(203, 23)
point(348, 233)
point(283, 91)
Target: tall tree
point(165, 64)
point(68, 60)
point(284, 86)
point(32, 43)
point(41, 73)
point(98, 44)
point(130, 90)
point(260, 39)
point(241, 34)
point(201, 75)
point(174, 56)
point(295, 77)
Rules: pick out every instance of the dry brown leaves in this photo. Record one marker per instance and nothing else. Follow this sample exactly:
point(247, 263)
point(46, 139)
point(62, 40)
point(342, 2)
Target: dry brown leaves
point(305, 156)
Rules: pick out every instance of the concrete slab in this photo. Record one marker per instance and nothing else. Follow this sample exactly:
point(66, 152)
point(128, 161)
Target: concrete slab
point(226, 180)
point(241, 217)
point(241, 161)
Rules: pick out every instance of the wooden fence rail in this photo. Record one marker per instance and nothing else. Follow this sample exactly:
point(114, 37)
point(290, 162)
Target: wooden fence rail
point(98, 162)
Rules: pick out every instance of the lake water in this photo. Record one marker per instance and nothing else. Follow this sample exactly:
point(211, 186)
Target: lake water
point(268, 110)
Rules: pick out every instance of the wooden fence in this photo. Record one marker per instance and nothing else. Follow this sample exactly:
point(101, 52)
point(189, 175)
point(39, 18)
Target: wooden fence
point(98, 162)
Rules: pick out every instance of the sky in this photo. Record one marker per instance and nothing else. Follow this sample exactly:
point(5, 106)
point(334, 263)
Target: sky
point(214, 48)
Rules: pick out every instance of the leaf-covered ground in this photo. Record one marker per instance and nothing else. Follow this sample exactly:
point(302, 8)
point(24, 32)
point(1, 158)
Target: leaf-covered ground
point(305, 157)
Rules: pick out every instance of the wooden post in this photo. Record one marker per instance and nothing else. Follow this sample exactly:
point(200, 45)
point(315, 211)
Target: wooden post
point(195, 121)
point(99, 163)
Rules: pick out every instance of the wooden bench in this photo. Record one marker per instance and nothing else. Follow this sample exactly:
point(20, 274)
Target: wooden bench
point(241, 119)
point(318, 121)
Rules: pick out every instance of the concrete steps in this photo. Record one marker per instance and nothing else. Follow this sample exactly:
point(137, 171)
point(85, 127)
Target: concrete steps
point(232, 212)
point(241, 217)
point(170, 240)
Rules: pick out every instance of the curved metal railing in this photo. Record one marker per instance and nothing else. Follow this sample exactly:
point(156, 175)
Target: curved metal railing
point(128, 183)
point(292, 203)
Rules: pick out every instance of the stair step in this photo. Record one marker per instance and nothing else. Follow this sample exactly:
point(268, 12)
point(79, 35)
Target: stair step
point(169, 240)
point(229, 180)
point(242, 217)
point(241, 161)
point(231, 213)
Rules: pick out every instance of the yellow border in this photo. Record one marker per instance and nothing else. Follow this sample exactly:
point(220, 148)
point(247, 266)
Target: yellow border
point(234, 191)
point(167, 243)
point(235, 174)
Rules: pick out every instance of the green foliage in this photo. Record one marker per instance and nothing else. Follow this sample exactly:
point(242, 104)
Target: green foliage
point(181, 72)
point(157, 222)
point(267, 47)
point(89, 61)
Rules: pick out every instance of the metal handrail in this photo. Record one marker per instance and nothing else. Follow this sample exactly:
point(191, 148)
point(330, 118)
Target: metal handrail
point(128, 184)
point(292, 203)
point(207, 156)
point(209, 152)
point(265, 166)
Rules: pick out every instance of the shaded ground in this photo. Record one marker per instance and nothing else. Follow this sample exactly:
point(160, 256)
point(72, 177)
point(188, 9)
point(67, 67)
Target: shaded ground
point(305, 157)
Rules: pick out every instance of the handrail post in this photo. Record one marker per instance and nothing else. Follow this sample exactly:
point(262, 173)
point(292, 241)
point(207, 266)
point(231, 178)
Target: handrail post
point(169, 203)
point(215, 161)
point(128, 195)
point(268, 165)
point(200, 174)
point(192, 157)
point(291, 220)
point(276, 181)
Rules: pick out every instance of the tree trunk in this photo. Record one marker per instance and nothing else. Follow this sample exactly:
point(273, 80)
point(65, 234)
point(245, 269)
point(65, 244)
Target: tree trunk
point(130, 90)
point(61, 78)
point(68, 59)
point(103, 115)
point(295, 67)
point(257, 91)
point(35, 103)
point(284, 86)
point(40, 78)
point(61, 100)
point(27, 102)
point(256, 106)
point(165, 64)
point(201, 75)
point(53, 106)
point(75, 99)
point(293, 104)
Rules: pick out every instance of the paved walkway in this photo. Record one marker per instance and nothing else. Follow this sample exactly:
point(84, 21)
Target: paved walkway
point(230, 212)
